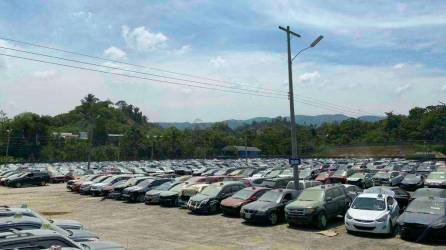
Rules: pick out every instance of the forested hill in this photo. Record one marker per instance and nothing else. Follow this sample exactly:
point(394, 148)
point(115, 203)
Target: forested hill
point(37, 138)
point(300, 120)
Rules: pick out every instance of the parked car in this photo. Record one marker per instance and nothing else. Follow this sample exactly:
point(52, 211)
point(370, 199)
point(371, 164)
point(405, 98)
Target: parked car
point(340, 176)
point(324, 177)
point(118, 189)
point(278, 182)
point(169, 198)
point(392, 178)
point(29, 178)
point(303, 184)
point(269, 207)
point(208, 200)
point(233, 204)
point(137, 192)
point(399, 194)
point(86, 186)
point(362, 180)
point(409, 169)
point(152, 196)
point(372, 213)
point(436, 180)
point(352, 190)
point(412, 182)
point(317, 205)
point(429, 192)
point(424, 219)
point(98, 188)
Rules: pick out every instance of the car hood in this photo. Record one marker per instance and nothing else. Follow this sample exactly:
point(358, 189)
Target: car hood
point(260, 205)
point(419, 218)
point(365, 214)
point(200, 197)
point(231, 202)
point(68, 224)
point(81, 235)
point(355, 179)
point(410, 181)
point(439, 181)
point(103, 245)
point(168, 193)
point(303, 204)
point(154, 192)
point(98, 185)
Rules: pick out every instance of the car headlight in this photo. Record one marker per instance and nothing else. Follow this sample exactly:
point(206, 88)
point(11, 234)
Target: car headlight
point(382, 218)
point(348, 216)
point(204, 202)
point(309, 210)
point(438, 225)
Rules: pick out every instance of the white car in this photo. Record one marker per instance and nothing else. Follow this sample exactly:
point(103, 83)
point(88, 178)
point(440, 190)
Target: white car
point(372, 213)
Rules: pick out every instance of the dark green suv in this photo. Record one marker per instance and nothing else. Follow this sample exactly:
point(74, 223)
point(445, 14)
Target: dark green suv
point(316, 205)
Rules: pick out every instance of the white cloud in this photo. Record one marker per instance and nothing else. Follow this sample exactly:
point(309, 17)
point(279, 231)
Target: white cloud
point(44, 74)
point(115, 53)
point(142, 39)
point(309, 76)
point(443, 88)
point(399, 66)
point(218, 62)
point(183, 50)
point(403, 88)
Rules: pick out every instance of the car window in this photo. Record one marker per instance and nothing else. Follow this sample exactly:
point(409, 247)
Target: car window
point(287, 197)
point(389, 201)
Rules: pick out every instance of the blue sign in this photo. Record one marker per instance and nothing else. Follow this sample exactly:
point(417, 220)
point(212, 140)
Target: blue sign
point(294, 161)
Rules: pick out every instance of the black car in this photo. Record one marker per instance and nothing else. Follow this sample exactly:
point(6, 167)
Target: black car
point(269, 207)
point(409, 169)
point(118, 189)
point(29, 178)
point(424, 219)
point(412, 182)
point(429, 192)
point(137, 193)
point(153, 196)
point(208, 200)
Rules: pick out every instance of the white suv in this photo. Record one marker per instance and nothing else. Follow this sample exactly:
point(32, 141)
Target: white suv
point(372, 213)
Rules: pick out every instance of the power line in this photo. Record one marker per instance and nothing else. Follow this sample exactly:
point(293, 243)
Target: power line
point(138, 72)
point(245, 92)
point(342, 108)
point(338, 108)
point(130, 64)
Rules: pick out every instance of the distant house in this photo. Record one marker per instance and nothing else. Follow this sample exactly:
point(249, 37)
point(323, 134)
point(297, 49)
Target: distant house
point(241, 151)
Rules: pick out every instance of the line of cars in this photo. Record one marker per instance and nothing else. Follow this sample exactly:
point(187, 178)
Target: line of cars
point(23, 228)
point(263, 191)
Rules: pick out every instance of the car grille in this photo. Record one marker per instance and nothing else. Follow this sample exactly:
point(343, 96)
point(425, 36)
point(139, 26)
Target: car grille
point(364, 221)
point(364, 228)
point(296, 211)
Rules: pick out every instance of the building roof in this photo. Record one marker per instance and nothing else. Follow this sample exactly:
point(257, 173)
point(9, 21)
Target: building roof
point(241, 148)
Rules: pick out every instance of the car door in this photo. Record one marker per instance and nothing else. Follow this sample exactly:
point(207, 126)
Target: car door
point(340, 198)
point(330, 203)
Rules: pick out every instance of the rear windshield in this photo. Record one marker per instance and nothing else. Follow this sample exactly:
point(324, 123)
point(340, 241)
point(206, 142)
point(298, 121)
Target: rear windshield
point(243, 194)
point(426, 207)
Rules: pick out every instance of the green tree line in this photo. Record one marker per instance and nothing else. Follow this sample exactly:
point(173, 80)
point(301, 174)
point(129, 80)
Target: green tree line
point(34, 137)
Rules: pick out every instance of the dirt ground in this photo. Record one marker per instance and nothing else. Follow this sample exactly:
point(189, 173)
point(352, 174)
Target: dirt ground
point(138, 226)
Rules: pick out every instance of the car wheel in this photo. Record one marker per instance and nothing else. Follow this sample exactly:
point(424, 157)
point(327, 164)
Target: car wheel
point(141, 198)
point(322, 221)
point(18, 185)
point(42, 183)
point(212, 209)
point(273, 218)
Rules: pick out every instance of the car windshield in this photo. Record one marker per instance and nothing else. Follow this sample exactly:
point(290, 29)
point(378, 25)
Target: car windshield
point(437, 175)
point(426, 207)
point(211, 190)
point(411, 177)
point(273, 173)
point(178, 187)
point(357, 175)
point(164, 186)
point(368, 203)
point(382, 175)
point(144, 183)
point(340, 172)
point(305, 173)
point(271, 196)
point(287, 172)
point(243, 194)
point(311, 195)
point(99, 179)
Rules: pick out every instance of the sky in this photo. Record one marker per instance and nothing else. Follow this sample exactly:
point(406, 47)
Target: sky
point(376, 56)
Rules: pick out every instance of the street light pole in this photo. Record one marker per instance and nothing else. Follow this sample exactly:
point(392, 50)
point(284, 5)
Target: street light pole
point(7, 145)
point(291, 98)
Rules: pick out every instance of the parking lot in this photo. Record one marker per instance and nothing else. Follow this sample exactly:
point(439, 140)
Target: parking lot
point(138, 226)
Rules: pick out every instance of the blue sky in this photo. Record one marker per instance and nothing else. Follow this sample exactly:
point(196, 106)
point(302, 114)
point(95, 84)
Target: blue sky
point(377, 56)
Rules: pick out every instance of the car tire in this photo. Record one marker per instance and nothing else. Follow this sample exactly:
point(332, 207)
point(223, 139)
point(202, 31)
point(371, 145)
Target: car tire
point(42, 183)
point(141, 198)
point(321, 221)
point(212, 209)
point(273, 218)
point(18, 185)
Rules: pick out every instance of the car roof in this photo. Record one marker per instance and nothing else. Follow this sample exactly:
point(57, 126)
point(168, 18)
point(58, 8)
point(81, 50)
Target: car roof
point(372, 195)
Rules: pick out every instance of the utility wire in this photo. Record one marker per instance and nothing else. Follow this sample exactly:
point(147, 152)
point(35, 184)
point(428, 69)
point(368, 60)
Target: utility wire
point(336, 108)
point(172, 72)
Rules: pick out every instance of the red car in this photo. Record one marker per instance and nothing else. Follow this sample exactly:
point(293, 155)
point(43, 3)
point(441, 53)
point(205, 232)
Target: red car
point(232, 205)
point(340, 176)
point(324, 177)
